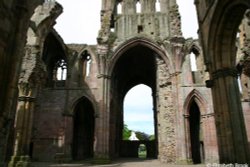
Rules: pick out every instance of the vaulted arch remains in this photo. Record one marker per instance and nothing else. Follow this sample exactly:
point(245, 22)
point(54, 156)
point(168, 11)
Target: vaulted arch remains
point(54, 57)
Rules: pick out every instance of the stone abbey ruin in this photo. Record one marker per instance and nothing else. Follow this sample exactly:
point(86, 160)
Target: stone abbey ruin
point(65, 101)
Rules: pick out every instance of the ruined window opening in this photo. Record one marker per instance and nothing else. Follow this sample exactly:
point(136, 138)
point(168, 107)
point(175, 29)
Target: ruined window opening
point(240, 84)
point(193, 61)
point(157, 6)
point(139, 28)
point(86, 64)
point(119, 8)
point(138, 7)
point(60, 71)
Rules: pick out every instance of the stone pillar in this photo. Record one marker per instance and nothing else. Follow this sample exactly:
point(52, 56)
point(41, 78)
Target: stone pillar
point(102, 147)
point(175, 19)
point(165, 114)
point(129, 7)
point(148, 6)
point(229, 120)
point(23, 126)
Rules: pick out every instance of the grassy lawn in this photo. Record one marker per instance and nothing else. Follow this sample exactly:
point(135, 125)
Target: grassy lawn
point(142, 154)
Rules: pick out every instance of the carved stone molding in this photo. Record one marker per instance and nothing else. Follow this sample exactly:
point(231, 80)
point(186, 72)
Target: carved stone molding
point(225, 72)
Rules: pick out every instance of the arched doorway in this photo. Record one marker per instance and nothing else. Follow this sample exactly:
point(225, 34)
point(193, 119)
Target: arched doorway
point(195, 130)
point(135, 65)
point(83, 131)
point(138, 120)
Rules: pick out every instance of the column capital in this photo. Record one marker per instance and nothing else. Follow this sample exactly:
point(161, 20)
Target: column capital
point(225, 72)
point(104, 76)
point(26, 98)
point(221, 73)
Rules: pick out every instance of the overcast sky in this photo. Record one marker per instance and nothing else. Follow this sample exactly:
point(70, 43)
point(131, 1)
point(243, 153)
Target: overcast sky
point(80, 22)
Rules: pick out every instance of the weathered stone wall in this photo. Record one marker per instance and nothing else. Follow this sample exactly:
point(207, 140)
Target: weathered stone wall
point(130, 149)
point(242, 59)
point(166, 114)
point(49, 125)
point(157, 25)
point(246, 112)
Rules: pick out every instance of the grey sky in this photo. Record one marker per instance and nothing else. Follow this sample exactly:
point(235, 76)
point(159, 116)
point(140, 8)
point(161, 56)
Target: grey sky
point(80, 21)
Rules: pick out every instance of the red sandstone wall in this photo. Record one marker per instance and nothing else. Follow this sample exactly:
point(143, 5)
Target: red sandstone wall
point(49, 125)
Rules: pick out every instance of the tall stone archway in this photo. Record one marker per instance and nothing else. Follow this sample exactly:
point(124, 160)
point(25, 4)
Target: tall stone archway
point(135, 66)
point(83, 130)
point(140, 62)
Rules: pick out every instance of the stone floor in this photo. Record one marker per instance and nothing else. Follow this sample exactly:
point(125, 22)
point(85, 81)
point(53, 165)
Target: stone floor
point(118, 163)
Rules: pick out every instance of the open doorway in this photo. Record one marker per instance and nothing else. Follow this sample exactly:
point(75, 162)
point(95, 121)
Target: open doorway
point(139, 122)
point(197, 146)
point(83, 132)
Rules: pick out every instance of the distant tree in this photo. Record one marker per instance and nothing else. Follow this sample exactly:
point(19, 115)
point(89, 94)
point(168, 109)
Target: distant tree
point(142, 135)
point(126, 132)
point(152, 137)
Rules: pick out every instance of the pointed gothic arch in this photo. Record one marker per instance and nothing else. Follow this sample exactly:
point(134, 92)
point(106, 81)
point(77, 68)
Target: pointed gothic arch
point(194, 108)
point(139, 41)
point(197, 97)
point(54, 57)
point(134, 62)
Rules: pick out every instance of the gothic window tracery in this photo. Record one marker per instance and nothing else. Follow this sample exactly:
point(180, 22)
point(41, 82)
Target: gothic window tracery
point(60, 71)
point(55, 60)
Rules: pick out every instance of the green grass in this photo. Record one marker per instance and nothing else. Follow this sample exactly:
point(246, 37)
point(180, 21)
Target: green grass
point(142, 154)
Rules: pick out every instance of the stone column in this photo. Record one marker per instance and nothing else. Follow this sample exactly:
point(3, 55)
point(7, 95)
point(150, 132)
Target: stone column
point(23, 126)
point(102, 148)
point(175, 19)
point(148, 6)
point(166, 114)
point(229, 120)
point(129, 7)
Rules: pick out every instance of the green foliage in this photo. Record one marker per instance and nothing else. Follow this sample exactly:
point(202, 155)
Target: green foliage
point(126, 132)
point(152, 137)
point(142, 135)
